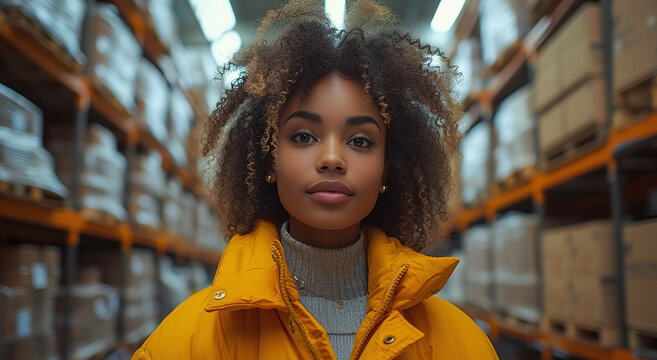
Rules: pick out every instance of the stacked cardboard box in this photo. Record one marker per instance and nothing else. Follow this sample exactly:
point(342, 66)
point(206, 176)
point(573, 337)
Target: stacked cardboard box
point(514, 126)
point(580, 274)
point(207, 229)
point(94, 314)
point(152, 100)
point(163, 19)
point(479, 270)
point(181, 117)
point(515, 271)
point(61, 20)
point(474, 167)
point(570, 87)
point(139, 316)
point(103, 170)
point(114, 55)
point(147, 188)
point(641, 275)
point(29, 277)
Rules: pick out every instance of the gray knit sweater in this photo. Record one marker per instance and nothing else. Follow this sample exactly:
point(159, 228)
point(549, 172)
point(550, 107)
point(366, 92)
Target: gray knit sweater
point(337, 273)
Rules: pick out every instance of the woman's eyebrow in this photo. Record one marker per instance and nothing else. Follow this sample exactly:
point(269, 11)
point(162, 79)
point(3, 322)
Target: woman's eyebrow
point(351, 121)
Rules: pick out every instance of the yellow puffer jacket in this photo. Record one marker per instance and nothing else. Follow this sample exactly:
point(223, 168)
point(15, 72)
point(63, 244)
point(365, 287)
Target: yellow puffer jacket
point(252, 309)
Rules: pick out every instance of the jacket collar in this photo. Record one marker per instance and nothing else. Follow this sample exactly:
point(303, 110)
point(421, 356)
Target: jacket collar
point(248, 276)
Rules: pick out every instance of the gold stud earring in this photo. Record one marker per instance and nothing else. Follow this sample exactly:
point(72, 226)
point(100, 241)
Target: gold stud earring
point(270, 179)
point(383, 189)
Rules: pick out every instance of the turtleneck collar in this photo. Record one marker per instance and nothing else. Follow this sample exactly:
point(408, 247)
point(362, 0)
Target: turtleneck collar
point(340, 273)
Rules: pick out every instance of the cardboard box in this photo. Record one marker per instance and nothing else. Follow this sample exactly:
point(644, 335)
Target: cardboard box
point(595, 301)
point(556, 250)
point(593, 250)
point(634, 41)
point(552, 127)
point(16, 265)
point(573, 54)
point(641, 274)
point(586, 107)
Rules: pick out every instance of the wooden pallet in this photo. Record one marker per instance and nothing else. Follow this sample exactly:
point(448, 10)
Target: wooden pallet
point(519, 322)
point(100, 217)
point(146, 230)
point(105, 94)
point(516, 178)
point(643, 340)
point(606, 336)
point(15, 18)
point(636, 102)
point(31, 194)
point(573, 147)
point(503, 59)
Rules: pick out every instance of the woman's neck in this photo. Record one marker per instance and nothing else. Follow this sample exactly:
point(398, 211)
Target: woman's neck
point(323, 238)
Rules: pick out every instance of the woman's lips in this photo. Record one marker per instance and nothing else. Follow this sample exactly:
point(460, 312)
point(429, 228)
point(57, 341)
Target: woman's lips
point(329, 197)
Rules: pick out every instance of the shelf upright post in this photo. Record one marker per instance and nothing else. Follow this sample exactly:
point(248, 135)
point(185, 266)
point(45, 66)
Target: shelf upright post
point(72, 243)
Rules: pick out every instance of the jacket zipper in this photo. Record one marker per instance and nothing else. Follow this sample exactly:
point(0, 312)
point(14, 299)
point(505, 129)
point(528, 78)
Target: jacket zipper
point(382, 310)
point(281, 280)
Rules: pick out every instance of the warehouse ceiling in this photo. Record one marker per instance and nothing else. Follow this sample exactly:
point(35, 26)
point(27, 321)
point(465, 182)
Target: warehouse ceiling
point(415, 14)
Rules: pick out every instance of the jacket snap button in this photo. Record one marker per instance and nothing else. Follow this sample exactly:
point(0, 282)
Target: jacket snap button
point(292, 325)
point(389, 340)
point(219, 295)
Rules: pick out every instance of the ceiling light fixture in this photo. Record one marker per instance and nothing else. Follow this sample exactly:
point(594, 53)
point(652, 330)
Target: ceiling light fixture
point(446, 14)
point(335, 11)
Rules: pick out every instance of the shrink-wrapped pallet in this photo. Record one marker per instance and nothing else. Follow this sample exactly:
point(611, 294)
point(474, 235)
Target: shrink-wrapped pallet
point(148, 182)
point(474, 174)
point(181, 117)
point(479, 270)
point(114, 55)
point(468, 60)
point(164, 21)
point(175, 282)
point(196, 69)
point(515, 271)
point(502, 22)
point(61, 20)
point(172, 212)
point(514, 125)
point(207, 229)
point(140, 316)
point(23, 160)
point(152, 100)
point(102, 173)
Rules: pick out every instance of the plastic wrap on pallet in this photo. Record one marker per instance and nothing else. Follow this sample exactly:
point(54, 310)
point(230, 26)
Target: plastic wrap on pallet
point(514, 254)
point(207, 233)
point(148, 182)
point(24, 161)
point(114, 55)
point(103, 170)
point(514, 124)
point(468, 60)
point(19, 114)
point(171, 210)
point(61, 20)
point(140, 296)
point(475, 148)
point(163, 19)
point(479, 279)
point(152, 100)
point(199, 277)
point(181, 117)
point(95, 308)
point(196, 69)
point(502, 22)
point(187, 228)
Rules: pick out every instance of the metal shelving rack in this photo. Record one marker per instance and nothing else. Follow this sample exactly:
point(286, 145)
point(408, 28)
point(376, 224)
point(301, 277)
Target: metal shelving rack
point(609, 157)
point(73, 81)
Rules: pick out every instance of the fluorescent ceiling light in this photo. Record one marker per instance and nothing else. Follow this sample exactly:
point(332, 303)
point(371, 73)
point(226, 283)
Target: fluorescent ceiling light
point(215, 16)
point(446, 14)
point(224, 48)
point(335, 11)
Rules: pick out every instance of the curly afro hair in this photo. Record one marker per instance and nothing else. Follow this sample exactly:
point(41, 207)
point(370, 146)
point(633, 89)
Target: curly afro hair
point(296, 45)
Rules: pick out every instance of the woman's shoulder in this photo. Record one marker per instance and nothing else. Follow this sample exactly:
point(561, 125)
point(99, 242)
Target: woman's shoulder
point(445, 324)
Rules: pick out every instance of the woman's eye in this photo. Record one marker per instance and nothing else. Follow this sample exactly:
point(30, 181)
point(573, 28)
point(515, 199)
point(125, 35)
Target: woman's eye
point(303, 137)
point(360, 142)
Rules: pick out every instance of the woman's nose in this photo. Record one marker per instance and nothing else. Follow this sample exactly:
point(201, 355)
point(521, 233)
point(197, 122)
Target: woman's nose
point(331, 157)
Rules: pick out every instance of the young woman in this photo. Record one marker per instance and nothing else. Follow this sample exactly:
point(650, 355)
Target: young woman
point(333, 152)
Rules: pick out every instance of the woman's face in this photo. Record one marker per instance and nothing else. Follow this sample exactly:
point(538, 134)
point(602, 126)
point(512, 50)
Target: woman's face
point(331, 155)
